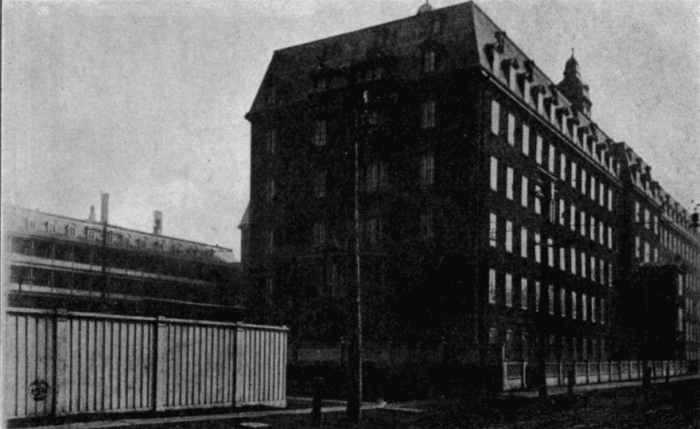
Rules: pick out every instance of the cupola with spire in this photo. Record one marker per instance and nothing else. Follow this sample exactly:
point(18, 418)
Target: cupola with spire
point(573, 88)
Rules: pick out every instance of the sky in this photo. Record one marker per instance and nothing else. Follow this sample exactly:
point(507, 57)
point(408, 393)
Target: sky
point(146, 100)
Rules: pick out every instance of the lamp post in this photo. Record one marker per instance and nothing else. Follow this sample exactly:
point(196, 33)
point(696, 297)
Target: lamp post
point(544, 190)
point(354, 406)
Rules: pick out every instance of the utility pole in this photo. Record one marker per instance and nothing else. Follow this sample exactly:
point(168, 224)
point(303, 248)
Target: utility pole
point(354, 407)
point(544, 193)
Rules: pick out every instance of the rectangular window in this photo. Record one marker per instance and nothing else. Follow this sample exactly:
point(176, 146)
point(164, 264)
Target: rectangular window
point(637, 212)
point(550, 252)
point(562, 302)
point(593, 269)
point(637, 247)
point(593, 315)
point(493, 335)
point(538, 203)
point(602, 311)
point(319, 233)
point(583, 223)
point(495, 117)
point(574, 314)
point(647, 221)
point(583, 181)
point(509, 290)
point(601, 233)
point(493, 230)
point(427, 170)
point(552, 157)
point(584, 271)
point(572, 217)
point(511, 129)
point(271, 141)
point(610, 274)
point(509, 236)
point(574, 180)
point(494, 174)
point(320, 133)
point(429, 61)
point(526, 140)
point(523, 242)
point(320, 185)
point(538, 149)
point(551, 299)
point(492, 286)
point(428, 115)
point(584, 307)
point(538, 248)
point(562, 167)
point(372, 230)
point(593, 187)
point(562, 258)
point(509, 183)
point(270, 191)
point(537, 295)
point(647, 252)
point(610, 238)
point(601, 194)
point(523, 191)
point(426, 226)
point(610, 199)
point(270, 241)
point(523, 293)
point(573, 261)
point(592, 225)
point(562, 212)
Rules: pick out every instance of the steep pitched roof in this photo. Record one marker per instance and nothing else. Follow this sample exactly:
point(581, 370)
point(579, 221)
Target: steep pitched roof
point(453, 27)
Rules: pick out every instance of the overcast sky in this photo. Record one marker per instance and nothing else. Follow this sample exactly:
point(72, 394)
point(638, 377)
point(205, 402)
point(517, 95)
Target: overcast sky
point(146, 99)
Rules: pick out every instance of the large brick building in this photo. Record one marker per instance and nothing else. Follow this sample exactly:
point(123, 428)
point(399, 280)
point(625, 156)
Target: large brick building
point(493, 210)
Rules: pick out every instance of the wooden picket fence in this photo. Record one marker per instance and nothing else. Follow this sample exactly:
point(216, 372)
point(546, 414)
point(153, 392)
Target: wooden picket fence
point(66, 363)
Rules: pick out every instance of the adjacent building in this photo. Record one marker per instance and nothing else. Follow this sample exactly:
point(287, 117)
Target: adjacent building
point(72, 264)
point(493, 212)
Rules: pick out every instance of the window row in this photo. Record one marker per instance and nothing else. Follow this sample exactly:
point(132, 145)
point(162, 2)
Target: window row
point(503, 289)
point(523, 347)
point(531, 245)
point(557, 163)
point(529, 192)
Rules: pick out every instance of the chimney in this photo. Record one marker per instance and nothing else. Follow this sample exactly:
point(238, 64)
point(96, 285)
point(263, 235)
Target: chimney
point(104, 214)
point(157, 222)
point(91, 218)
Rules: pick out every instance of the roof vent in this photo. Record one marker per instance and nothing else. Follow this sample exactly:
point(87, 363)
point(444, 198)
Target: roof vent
point(425, 7)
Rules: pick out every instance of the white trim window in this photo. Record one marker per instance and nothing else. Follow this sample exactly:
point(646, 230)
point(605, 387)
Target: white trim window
point(495, 117)
point(494, 174)
point(492, 286)
point(526, 140)
point(511, 129)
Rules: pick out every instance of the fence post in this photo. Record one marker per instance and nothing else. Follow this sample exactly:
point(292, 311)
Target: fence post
point(161, 362)
point(61, 363)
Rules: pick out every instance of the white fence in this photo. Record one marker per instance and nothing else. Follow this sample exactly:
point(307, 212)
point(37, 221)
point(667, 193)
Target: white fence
point(516, 374)
point(60, 363)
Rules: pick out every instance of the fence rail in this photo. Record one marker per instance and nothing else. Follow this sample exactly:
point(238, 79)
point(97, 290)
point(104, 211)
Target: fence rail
point(64, 363)
point(518, 375)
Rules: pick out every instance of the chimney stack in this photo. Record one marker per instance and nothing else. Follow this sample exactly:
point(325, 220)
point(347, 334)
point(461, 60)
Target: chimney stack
point(91, 218)
point(104, 215)
point(157, 222)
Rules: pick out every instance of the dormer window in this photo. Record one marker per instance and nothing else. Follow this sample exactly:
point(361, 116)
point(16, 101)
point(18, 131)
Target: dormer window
point(50, 227)
point(70, 230)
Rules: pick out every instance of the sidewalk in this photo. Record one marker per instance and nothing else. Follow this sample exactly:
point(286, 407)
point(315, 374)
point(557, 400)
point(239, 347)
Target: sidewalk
point(580, 388)
point(104, 424)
